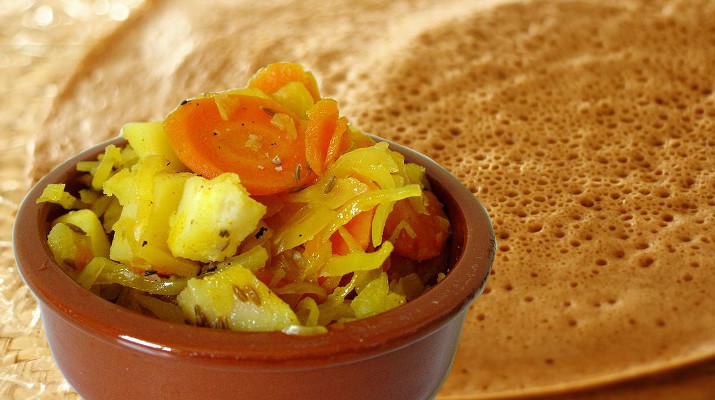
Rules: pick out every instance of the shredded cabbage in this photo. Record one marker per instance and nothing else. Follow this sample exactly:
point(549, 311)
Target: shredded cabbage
point(146, 233)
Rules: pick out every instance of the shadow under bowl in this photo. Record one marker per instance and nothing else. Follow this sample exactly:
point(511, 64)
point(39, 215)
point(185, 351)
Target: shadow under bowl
point(108, 352)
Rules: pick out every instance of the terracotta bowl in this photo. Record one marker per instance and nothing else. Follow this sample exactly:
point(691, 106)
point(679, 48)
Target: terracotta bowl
point(108, 352)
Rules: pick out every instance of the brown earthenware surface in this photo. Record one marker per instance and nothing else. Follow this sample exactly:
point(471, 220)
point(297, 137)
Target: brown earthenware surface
point(106, 351)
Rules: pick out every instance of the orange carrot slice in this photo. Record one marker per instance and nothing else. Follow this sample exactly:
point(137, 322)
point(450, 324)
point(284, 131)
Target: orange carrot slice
point(274, 76)
point(425, 235)
point(360, 228)
point(255, 137)
point(326, 135)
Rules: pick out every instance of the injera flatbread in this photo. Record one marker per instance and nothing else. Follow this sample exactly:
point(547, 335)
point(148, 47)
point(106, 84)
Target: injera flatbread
point(586, 128)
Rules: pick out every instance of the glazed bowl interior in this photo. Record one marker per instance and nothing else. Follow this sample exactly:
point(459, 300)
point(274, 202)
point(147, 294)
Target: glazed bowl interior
point(472, 250)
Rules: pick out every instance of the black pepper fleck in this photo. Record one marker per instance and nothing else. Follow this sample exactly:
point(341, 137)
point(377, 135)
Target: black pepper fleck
point(260, 232)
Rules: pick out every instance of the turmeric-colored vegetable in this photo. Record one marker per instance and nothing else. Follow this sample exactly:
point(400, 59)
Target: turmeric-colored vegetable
point(259, 140)
point(276, 76)
point(326, 135)
point(254, 209)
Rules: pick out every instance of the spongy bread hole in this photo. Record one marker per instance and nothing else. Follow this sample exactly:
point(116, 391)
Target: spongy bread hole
point(591, 145)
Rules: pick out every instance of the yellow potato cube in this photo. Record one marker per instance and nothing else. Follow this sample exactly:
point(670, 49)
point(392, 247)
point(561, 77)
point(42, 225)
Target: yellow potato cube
point(234, 299)
point(149, 138)
point(212, 218)
point(150, 193)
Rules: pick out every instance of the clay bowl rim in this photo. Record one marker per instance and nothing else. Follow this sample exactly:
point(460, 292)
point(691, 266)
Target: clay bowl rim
point(346, 342)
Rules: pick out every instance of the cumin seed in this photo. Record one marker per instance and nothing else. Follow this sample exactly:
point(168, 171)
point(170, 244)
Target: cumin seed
point(201, 319)
point(331, 183)
point(247, 294)
point(269, 111)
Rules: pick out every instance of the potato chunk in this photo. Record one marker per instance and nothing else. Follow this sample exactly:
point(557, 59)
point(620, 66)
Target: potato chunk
point(234, 299)
point(149, 194)
point(149, 138)
point(212, 219)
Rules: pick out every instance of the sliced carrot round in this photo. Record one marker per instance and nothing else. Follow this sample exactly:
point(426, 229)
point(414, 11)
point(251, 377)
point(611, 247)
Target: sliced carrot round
point(326, 135)
point(430, 230)
point(360, 228)
point(274, 76)
point(255, 137)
